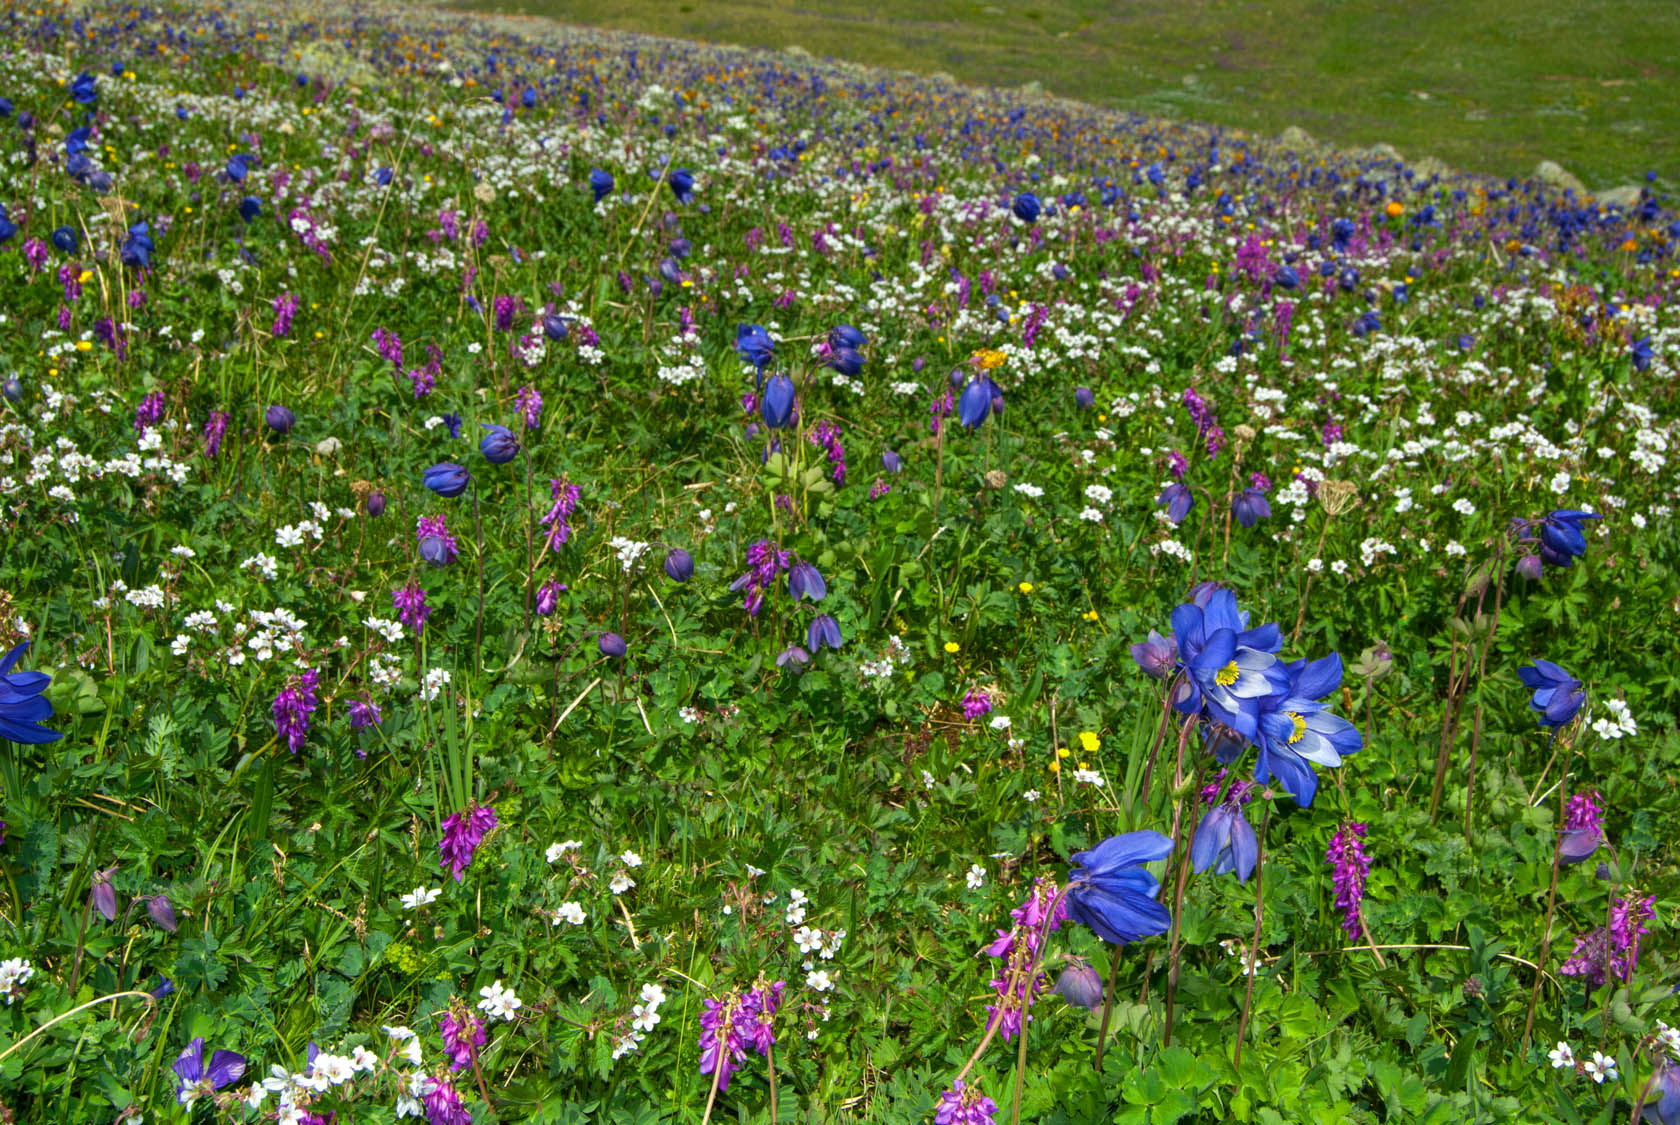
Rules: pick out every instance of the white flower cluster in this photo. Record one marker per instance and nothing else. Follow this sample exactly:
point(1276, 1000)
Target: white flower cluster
point(896, 654)
point(629, 551)
point(14, 974)
point(498, 1002)
point(644, 1017)
point(1618, 723)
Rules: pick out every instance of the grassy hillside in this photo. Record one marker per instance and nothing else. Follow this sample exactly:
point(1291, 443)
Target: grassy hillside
point(1492, 86)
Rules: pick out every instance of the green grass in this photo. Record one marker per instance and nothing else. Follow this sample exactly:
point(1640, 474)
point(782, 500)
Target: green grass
point(1489, 85)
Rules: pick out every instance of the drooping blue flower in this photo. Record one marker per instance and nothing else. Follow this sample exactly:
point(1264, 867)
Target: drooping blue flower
point(194, 1079)
point(138, 247)
point(1662, 1106)
point(85, 89)
point(1109, 890)
point(846, 361)
point(804, 580)
point(1080, 985)
point(66, 239)
point(974, 403)
point(1298, 732)
point(1226, 842)
point(250, 208)
point(1557, 695)
point(1562, 537)
point(1179, 500)
point(1286, 277)
point(555, 327)
point(753, 345)
point(777, 409)
point(1250, 507)
point(611, 645)
point(601, 183)
point(1027, 207)
point(1157, 656)
point(682, 184)
point(239, 166)
point(8, 229)
point(447, 479)
point(22, 706)
point(1084, 398)
point(845, 336)
point(823, 630)
point(1641, 353)
point(500, 445)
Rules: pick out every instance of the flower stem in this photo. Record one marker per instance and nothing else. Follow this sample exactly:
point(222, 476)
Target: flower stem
point(1108, 1009)
point(478, 634)
point(711, 1097)
point(1253, 946)
point(1551, 906)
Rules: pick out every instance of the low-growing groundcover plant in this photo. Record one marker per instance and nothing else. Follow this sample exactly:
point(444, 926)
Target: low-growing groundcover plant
point(548, 576)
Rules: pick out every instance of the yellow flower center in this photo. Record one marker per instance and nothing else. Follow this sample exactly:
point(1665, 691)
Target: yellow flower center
point(1227, 675)
point(1300, 730)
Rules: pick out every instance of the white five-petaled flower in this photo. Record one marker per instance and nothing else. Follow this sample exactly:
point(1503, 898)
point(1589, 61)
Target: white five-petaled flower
point(819, 980)
point(555, 851)
point(420, 896)
point(1562, 1056)
point(620, 883)
point(409, 1048)
point(569, 912)
point(499, 1002)
point(976, 877)
point(631, 859)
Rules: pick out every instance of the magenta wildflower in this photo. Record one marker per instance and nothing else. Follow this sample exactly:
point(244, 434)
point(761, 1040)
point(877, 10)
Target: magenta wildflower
point(879, 489)
point(411, 607)
point(827, 435)
point(548, 597)
point(1350, 865)
point(293, 706)
point(1627, 926)
point(721, 1045)
point(437, 546)
point(35, 253)
point(1043, 912)
point(764, 561)
point(462, 834)
point(529, 403)
point(150, 412)
point(389, 346)
point(285, 308)
point(215, 427)
point(1331, 433)
point(463, 1035)
point(975, 704)
point(941, 409)
point(1583, 827)
point(506, 309)
point(964, 1105)
point(558, 520)
point(364, 713)
point(1177, 465)
point(443, 1105)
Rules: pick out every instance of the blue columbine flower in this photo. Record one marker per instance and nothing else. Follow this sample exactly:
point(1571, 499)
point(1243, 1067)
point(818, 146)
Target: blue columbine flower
point(194, 1079)
point(777, 409)
point(1226, 842)
point(22, 706)
point(447, 479)
point(1298, 732)
point(499, 446)
point(8, 229)
point(1157, 656)
point(239, 166)
point(1562, 537)
point(974, 403)
point(1250, 507)
point(753, 345)
point(1230, 668)
point(601, 183)
point(847, 361)
point(823, 630)
point(682, 184)
point(85, 89)
point(66, 239)
point(1557, 695)
point(138, 247)
point(1027, 208)
point(679, 565)
point(280, 419)
point(1641, 353)
point(1109, 890)
point(1179, 500)
point(804, 580)
point(845, 336)
point(250, 208)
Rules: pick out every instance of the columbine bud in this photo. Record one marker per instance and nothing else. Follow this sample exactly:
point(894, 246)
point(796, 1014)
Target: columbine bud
point(499, 446)
point(103, 897)
point(1530, 567)
point(1085, 399)
point(1080, 985)
point(279, 419)
point(12, 389)
point(447, 479)
point(611, 644)
point(162, 913)
point(376, 504)
point(679, 565)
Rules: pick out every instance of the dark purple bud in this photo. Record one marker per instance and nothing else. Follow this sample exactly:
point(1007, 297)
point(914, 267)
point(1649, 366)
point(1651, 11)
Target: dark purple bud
point(611, 644)
point(1084, 397)
point(279, 419)
point(163, 914)
point(679, 565)
point(958, 376)
point(376, 504)
point(164, 987)
point(804, 580)
point(1530, 567)
point(1080, 985)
